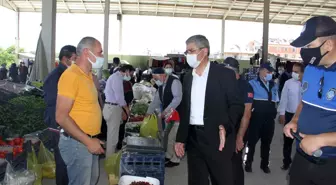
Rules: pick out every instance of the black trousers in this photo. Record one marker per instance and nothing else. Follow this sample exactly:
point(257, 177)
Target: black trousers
point(205, 160)
point(261, 127)
point(61, 169)
point(304, 172)
point(288, 142)
point(237, 165)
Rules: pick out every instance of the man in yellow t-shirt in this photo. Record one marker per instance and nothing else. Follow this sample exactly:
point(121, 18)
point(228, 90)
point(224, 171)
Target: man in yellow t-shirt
point(79, 114)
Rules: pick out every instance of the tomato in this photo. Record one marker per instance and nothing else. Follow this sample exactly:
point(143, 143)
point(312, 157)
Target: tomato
point(17, 141)
point(22, 140)
point(19, 150)
point(11, 143)
point(2, 156)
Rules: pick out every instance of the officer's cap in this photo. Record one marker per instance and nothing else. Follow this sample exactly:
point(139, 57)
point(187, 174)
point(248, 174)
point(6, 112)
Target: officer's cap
point(319, 26)
point(231, 62)
point(158, 71)
point(267, 66)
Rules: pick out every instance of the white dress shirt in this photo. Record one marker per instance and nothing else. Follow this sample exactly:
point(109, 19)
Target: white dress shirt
point(291, 96)
point(197, 99)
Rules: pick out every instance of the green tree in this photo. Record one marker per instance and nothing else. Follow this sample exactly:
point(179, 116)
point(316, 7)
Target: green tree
point(8, 56)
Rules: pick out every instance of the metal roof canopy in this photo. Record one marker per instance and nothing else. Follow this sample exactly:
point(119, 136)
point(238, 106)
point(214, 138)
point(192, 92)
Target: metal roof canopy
point(281, 11)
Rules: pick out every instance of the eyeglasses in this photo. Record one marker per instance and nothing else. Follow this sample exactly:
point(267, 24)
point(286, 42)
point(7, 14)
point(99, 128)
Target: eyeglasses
point(320, 91)
point(191, 51)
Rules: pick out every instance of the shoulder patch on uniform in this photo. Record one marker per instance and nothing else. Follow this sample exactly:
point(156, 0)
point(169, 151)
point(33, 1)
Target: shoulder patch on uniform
point(250, 95)
point(304, 86)
point(331, 94)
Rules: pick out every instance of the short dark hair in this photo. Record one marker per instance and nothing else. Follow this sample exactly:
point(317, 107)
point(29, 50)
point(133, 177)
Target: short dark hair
point(300, 65)
point(67, 51)
point(125, 67)
point(116, 60)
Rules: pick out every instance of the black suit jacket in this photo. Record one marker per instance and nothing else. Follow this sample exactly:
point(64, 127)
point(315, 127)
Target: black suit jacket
point(223, 105)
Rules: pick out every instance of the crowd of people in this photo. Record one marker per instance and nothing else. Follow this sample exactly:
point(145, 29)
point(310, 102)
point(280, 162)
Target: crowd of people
point(17, 74)
point(220, 112)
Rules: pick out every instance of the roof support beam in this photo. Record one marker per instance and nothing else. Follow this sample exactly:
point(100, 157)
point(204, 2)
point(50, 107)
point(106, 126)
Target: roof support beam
point(157, 7)
point(241, 16)
point(191, 11)
point(174, 8)
point(297, 11)
point(66, 6)
point(12, 6)
point(31, 4)
point(138, 7)
point(289, 2)
point(322, 5)
point(120, 8)
point(228, 11)
point(213, 1)
point(262, 11)
point(84, 6)
point(102, 7)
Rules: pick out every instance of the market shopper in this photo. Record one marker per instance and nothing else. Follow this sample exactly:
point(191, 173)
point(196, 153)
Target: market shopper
point(79, 114)
point(66, 57)
point(291, 98)
point(114, 104)
point(315, 117)
point(210, 109)
point(246, 92)
point(262, 120)
point(168, 96)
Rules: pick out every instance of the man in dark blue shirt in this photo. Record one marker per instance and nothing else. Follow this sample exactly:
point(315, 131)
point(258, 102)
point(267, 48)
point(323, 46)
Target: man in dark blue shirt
point(66, 57)
point(315, 118)
point(246, 91)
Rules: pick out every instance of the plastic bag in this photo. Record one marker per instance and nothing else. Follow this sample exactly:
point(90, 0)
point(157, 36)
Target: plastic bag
point(149, 127)
point(12, 177)
point(112, 166)
point(127, 179)
point(34, 166)
point(47, 160)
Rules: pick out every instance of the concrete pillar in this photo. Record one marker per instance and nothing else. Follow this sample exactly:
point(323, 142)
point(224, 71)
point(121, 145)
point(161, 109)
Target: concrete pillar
point(17, 38)
point(49, 31)
point(120, 35)
point(265, 30)
point(106, 32)
point(223, 39)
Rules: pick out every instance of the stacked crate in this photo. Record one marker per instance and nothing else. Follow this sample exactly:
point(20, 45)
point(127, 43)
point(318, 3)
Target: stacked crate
point(143, 157)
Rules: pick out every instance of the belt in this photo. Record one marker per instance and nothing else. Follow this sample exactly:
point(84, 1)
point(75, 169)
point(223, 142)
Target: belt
point(67, 135)
point(109, 103)
point(197, 127)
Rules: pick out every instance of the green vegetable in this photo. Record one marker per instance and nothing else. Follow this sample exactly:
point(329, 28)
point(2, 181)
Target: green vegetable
point(139, 108)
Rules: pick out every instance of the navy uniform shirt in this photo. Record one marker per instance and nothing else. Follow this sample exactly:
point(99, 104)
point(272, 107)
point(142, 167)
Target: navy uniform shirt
point(318, 114)
point(246, 91)
point(265, 97)
point(50, 95)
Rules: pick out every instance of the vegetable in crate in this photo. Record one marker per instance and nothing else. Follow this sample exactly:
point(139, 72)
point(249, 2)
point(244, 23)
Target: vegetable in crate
point(140, 183)
point(139, 108)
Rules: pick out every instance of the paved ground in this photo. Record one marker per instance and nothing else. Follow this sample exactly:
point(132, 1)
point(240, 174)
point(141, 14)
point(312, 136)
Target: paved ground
point(178, 175)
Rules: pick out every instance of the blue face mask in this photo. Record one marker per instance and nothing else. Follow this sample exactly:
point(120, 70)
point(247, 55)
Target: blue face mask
point(268, 77)
point(158, 82)
point(127, 78)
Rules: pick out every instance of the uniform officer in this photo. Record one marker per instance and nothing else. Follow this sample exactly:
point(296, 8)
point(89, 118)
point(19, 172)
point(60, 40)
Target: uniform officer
point(246, 92)
point(263, 115)
point(315, 117)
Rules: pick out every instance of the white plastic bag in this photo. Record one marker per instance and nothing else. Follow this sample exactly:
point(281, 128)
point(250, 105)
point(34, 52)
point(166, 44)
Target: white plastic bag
point(127, 180)
point(23, 177)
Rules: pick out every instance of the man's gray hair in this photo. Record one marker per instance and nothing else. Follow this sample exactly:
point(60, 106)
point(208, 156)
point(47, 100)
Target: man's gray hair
point(201, 42)
point(86, 42)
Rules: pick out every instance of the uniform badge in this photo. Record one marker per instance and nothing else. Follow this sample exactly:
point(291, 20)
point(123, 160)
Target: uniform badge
point(331, 94)
point(250, 95)
point(304, 87)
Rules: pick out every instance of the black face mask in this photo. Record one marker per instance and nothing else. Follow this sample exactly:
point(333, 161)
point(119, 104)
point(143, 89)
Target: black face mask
point(312, 56)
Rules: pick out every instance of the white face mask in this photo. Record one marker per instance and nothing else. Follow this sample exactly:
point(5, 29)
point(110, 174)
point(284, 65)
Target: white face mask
point(99, 62)
point(296, 76)
point(192, 60)
point(168, 71)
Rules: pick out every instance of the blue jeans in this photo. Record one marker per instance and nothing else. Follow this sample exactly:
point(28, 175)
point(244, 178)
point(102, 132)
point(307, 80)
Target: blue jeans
point(82, 166)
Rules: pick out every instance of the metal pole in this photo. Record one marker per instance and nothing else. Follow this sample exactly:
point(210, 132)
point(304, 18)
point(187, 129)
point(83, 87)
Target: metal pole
point(223, 39)
point(265, 30)
point(106, 32)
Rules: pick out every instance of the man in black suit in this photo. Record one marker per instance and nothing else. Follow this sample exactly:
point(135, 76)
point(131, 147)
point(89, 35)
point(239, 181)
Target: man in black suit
point(210, 109)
